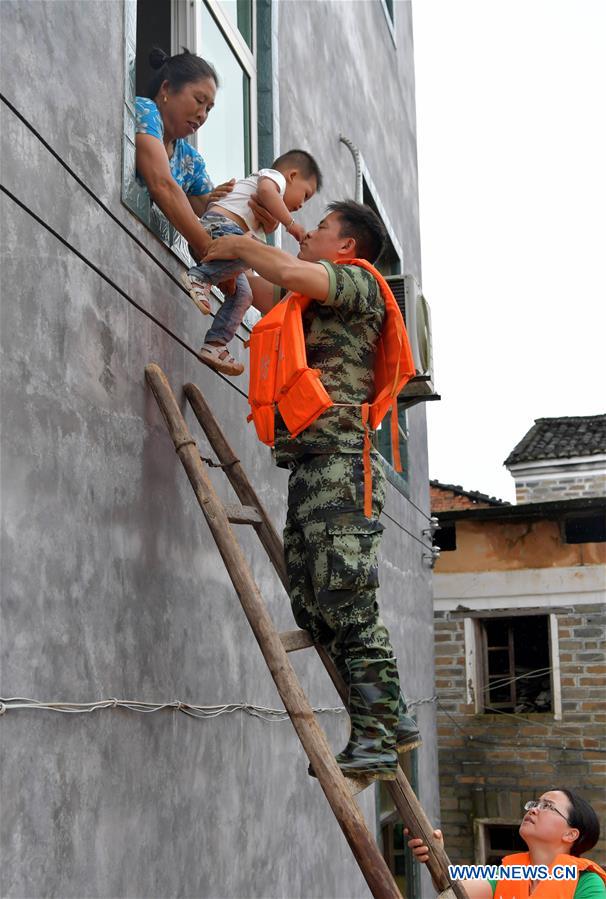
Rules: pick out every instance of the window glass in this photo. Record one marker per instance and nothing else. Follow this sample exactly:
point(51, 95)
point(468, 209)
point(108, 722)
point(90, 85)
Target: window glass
point(382, 440)
point(389, 262)
point(389, 7)
point(225, 139)
point(394, 844)
point(240, 15)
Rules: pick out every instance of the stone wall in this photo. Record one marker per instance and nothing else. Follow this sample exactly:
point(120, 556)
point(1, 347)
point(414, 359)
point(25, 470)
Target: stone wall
point(560, 487)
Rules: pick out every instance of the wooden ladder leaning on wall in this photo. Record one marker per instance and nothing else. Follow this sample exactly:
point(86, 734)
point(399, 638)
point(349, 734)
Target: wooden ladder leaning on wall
point(275, 647)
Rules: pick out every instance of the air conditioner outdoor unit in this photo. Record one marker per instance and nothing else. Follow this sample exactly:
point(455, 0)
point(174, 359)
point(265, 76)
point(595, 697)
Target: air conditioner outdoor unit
point(417, 317)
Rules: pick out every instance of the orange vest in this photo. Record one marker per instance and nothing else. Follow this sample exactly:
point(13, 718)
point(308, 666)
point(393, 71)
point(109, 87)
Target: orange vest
point(280, 375)
point(546, 889)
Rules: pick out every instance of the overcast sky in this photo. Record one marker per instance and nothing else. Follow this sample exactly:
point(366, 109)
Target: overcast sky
point(511, 128)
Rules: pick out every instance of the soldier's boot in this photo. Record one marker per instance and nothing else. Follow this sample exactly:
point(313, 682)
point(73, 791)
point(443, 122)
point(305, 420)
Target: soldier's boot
point(408, 735)
point(373, 711)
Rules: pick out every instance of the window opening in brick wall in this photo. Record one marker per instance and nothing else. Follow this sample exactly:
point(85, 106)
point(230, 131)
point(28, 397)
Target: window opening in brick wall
point(516, 664)
point(585, 529)
point(495, 839)
point(394, 844)
point(446, 537)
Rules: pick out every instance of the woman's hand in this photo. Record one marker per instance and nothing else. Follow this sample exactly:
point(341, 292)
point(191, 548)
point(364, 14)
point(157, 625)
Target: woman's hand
point(418, 847)
point(200, 204)
point(220, 191)
point(268, 222)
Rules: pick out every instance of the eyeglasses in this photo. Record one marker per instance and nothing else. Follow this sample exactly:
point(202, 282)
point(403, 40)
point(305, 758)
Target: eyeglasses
point(544, 805)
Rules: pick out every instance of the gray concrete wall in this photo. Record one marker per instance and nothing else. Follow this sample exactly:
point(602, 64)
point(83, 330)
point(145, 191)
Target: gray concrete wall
point(111, 584)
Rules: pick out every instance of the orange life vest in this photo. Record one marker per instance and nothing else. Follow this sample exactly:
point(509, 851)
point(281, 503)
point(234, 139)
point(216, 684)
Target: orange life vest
point(280, 376)
point(546, 889)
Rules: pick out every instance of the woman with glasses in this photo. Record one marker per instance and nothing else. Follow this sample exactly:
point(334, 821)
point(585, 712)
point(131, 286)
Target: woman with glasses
point(557, 828)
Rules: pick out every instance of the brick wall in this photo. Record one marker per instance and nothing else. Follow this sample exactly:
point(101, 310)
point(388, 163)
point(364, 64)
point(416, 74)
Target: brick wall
point(559, 487)
point(443, 500)
point(491, 764)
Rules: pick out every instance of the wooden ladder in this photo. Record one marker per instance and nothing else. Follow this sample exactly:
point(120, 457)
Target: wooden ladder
point(275, 647)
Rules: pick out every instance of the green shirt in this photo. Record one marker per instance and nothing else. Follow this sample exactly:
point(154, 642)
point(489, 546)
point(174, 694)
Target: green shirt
point(590, 886)
point(341, 337)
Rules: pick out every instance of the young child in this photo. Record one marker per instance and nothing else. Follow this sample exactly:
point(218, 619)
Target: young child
point(292, 180)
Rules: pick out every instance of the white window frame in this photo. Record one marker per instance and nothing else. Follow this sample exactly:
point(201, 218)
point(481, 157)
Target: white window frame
point(186, 16)
point(372, 189)
point(474, 664)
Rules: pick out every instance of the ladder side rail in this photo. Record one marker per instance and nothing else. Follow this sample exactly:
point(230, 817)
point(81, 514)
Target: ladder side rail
point(370, 860)
point(404, 798)
point(238, 479)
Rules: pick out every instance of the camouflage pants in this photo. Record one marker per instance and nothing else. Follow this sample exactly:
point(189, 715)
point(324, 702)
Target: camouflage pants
point(331, 555)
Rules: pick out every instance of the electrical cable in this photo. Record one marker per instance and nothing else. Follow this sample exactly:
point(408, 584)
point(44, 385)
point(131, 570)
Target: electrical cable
point(402, 528)
point(414, 505)
point(90, 192)
point(536, 672)
point(15, 703)
point(113, 284)
point(474, 739)
point(145, 249)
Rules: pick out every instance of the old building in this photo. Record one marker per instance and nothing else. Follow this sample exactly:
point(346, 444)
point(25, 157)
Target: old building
point(520, 620)
point(111, 584)
point(560, 458)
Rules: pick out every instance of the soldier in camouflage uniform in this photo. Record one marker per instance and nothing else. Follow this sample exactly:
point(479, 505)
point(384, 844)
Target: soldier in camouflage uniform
point(331, 547)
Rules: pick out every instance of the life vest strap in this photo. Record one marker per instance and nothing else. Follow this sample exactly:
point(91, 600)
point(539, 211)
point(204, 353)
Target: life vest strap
point(395, 436)
point(366, 461)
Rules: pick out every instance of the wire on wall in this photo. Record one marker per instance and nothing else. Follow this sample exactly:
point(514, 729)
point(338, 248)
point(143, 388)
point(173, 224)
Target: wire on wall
point(270, 715)
point(25, 121)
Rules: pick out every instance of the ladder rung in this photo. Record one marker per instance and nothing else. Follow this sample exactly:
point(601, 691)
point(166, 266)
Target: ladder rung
point(242, 514)
point(293, 640)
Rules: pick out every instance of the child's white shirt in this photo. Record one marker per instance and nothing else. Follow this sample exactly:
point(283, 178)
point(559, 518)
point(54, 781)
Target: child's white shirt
point(237, 200)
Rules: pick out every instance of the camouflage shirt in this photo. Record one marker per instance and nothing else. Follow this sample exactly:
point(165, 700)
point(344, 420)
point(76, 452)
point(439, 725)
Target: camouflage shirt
point(341, 336)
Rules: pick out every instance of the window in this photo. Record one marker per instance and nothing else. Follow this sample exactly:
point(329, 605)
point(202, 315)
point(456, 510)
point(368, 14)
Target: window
point(226, 139)
point(585, 529)
point(389, 263)
point(394, 844)
point(222, 31)
point(390, 260)
point(446, 537)
point(495, 838)
point(516, 667)
point(240, 14)
point(382, 441)
point(389, 9)
point(512, 661)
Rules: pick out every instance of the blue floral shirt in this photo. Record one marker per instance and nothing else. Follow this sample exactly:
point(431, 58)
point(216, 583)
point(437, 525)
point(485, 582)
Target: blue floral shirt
point(186, 165)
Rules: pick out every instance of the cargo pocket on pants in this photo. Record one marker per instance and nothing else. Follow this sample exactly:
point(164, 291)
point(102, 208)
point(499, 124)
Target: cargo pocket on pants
point(352, 555)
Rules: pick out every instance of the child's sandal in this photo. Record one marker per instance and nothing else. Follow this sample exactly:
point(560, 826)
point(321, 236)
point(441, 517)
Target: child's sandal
point(198, 291)
point(219, 358)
